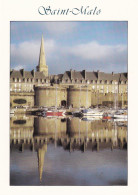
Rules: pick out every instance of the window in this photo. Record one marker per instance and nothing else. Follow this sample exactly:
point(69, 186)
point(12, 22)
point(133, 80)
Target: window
point(107, 89)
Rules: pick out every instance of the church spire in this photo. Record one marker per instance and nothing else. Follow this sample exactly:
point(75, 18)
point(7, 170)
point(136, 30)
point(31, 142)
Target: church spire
point(42, 67)
point(41, 156)
point(42, 60)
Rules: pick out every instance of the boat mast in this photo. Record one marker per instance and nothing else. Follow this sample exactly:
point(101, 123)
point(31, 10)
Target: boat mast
point(80, 97)
point(87, 97)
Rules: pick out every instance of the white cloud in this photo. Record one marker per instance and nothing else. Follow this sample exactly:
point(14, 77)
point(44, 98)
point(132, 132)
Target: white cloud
point(93, 51)
point(19, 67)
point(27, 53)
point(59, 27)
point(90, 56)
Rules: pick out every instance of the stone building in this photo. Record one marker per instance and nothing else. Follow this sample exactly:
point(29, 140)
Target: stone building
point(73, 88)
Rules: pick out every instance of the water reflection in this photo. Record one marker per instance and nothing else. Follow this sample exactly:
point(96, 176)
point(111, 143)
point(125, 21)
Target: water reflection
point(71, 134)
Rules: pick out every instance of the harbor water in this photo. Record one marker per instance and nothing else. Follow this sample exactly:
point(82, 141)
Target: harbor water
point(68, 151)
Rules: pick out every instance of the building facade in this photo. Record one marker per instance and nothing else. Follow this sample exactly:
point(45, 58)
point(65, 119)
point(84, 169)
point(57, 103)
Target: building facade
point(73, 88)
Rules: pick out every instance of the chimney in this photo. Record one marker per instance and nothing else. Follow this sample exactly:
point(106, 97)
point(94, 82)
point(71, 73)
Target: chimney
point(33, 72)
point(71, 74)
point(98, 74)
point(84, 74)
point(22, 72)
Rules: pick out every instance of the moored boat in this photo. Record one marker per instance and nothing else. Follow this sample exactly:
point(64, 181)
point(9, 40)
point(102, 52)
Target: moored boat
point(52, 113)
point(92, 112)
point(12, 111)
point(120, 115)
point(107, 116)
point(90, 118)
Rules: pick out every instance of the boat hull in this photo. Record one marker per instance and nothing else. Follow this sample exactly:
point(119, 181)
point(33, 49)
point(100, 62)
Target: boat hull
point(120, 116)
point(54, 113)
point(107, 117)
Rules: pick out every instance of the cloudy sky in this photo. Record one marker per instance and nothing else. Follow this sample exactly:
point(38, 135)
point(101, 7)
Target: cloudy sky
point(70, 45)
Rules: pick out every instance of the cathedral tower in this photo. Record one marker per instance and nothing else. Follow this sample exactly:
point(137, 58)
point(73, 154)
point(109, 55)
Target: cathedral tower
point(42, 67)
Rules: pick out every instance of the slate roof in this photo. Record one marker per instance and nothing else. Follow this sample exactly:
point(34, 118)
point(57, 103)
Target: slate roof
point(123, 76)
point(72, 74)
point(91, 75)
point(15, 74)
point(108, 76)
point(80, 75)
point(26, 74)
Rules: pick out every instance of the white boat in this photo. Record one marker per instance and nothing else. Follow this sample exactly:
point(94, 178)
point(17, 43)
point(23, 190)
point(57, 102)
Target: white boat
point(12, 111)
point(120, 119)
point(92, 112)
point(120, 115)
point(91, 118)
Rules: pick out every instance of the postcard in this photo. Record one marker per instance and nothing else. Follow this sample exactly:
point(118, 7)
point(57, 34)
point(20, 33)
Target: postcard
point(66, 98)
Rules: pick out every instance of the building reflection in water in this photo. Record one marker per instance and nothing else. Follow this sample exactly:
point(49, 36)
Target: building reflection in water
point(35, 133)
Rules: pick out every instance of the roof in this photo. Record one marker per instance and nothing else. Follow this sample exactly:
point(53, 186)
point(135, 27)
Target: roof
point(80, 75)
point(91, 75)
point(27, 74)
point(72, 74)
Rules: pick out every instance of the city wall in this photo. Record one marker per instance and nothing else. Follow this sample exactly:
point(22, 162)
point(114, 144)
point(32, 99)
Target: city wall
point(77, 97)
point(21, 99)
